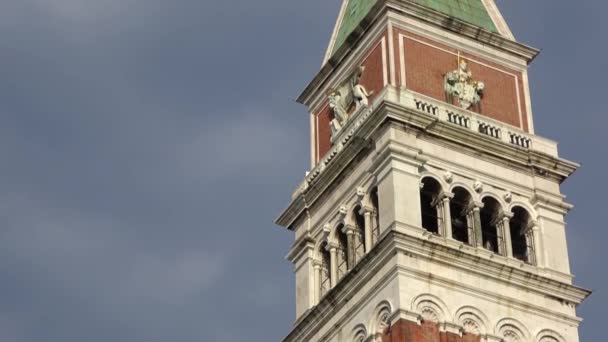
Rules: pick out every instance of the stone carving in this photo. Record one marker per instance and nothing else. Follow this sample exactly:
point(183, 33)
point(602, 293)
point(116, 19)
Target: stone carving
point(469, 326)
point(460, 84)
point(478, 186)
point(511, 336)
point(383, 321)
point(343, 98)
point(550, 336)
point(448, 176)
point(429, 314)
point(508, 197)
point(360, 334)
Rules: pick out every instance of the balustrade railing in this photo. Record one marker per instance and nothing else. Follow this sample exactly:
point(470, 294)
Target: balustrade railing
point(427, 107)
point(485, 126)
point(489, 130)
point(459, 119)
point(519, 140)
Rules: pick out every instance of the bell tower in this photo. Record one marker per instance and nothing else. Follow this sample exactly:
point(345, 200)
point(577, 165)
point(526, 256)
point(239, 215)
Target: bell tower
point(432, 211)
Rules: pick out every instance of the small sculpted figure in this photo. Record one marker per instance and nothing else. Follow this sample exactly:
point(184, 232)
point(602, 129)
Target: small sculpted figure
point(459, 83)
point(341, 100)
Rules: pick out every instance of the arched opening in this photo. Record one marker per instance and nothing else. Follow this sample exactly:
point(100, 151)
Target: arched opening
point(359, 221)
point(521, 236)
point(341, 253)
point(490, 220)
point(461, 222)
point(325, 281)
point(429, 194)
point(375, 215)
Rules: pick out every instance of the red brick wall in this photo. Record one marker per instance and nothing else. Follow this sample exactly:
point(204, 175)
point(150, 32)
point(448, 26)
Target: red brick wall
point(426, 63)
point(323, 131)
point(406, 331)
point(373, 79)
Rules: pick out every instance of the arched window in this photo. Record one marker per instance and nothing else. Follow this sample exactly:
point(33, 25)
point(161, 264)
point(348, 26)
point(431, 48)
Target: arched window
point(359, 221)
point(462, 223)
point(491, 224)
point(521, 236)
point(325, 281)
point(375, 216)
point(341, 253)
point(429, 195)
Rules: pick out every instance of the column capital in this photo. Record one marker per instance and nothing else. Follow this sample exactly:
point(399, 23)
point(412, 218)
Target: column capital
point(332, 247)
point(532, 226)
point(366, 209)
point(349, 229)
point(446, 195)
point(506, 215)
point(475, 206)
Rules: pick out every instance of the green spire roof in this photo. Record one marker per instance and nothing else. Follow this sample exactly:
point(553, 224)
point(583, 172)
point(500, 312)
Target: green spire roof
point(471, 11)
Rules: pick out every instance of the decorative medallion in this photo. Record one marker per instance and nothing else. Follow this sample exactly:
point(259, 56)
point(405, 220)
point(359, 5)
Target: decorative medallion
point(460, 84)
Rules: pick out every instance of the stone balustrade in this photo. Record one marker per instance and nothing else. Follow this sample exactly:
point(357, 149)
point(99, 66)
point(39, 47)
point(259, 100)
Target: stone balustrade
point(478, 123)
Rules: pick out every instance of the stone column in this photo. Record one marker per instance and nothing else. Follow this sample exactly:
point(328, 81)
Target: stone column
point(507, 244)
point(476, 218)
point(333, 252)
point(350, 248)
point(367, 214)
point(438, 204)
point(447, 214)
point(317, 282)
point(538, 252)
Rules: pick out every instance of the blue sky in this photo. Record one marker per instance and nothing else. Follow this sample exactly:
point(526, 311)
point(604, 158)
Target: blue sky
point(147, 146)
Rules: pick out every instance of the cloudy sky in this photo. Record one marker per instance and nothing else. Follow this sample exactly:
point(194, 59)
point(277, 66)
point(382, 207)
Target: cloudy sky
point(147, 145)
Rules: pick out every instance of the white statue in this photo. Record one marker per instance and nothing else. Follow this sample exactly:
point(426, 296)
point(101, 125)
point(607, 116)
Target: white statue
point(342, 99)
point(460, 83)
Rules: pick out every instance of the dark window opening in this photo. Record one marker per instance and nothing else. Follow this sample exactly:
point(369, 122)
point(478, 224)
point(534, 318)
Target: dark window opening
point(489, 224)
point(429, 194)
point(342, 254)
point(375, 216)
point(325, 270)
point(459, 206)
point(519, 242)
point(359, 234)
